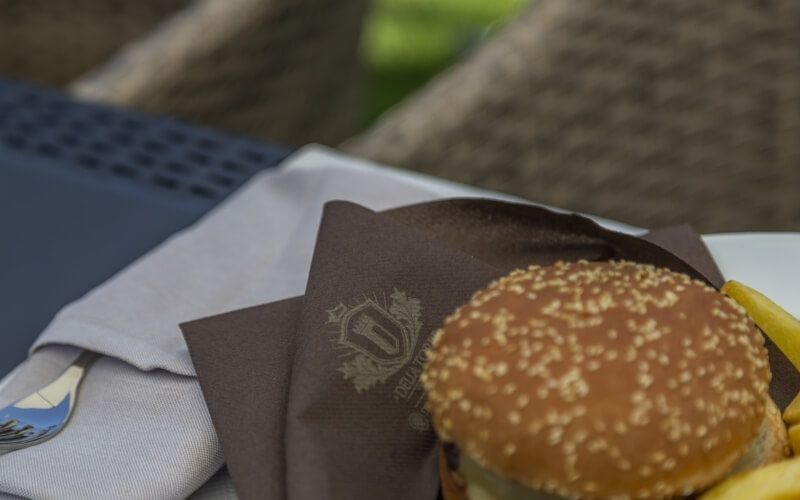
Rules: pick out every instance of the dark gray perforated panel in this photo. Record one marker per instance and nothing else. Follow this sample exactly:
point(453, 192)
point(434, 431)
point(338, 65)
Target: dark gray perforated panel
point(86, 189)
point(181, 160)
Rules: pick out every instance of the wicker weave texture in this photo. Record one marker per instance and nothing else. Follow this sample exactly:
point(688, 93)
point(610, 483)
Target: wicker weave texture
point(51, 42)
point(650, 112)
point(283, 70)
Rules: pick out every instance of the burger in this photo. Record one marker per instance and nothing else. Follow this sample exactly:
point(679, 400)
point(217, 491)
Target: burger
point(601, 380)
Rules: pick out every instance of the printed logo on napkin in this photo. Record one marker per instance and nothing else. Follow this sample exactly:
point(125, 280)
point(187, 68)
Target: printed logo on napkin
point(379, 339)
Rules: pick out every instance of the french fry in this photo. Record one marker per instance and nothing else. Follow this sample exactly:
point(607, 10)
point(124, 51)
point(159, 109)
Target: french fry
point(794, 439)
point(791, 415)
point(774, 321)
point(777, 481)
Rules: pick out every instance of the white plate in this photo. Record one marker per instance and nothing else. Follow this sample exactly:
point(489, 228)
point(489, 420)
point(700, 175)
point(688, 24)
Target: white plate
point(768, 262)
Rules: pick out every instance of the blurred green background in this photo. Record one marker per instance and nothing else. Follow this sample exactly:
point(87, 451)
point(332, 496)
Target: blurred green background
point(406, 42)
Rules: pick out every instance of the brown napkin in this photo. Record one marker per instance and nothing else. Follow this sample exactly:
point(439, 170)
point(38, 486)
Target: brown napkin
point(317, 397)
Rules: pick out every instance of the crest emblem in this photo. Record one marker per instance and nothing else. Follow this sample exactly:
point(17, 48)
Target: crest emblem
point(377, 340)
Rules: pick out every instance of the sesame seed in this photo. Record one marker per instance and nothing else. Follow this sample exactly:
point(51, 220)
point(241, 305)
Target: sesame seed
point(596, 445)
point(554, 436)
point(535, 427)
point(593, 365)
point(482, 373)
point(455, 393)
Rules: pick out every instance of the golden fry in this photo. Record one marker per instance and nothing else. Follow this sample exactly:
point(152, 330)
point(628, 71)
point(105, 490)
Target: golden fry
point(794, 439)
point(774, 321)
point(777, 481)
point(791, 415)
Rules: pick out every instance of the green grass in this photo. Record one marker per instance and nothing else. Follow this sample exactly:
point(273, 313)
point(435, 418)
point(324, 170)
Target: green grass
point(406, 42)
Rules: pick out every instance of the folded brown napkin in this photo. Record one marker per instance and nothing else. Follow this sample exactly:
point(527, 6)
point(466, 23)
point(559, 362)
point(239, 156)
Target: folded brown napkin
point(318, 397)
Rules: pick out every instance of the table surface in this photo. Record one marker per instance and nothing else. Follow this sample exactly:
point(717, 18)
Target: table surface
point(85, 189)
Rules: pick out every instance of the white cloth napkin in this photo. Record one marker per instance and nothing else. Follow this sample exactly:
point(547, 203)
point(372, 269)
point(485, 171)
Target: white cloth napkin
point(140, 428)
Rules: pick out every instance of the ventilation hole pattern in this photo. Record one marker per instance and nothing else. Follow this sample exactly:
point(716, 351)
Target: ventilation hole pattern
point(158, 153)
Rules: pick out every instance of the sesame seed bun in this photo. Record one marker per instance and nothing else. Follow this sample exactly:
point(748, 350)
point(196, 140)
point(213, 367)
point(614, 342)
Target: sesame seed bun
point(600, 380)
point(770, 445)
